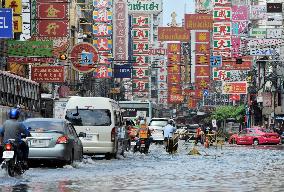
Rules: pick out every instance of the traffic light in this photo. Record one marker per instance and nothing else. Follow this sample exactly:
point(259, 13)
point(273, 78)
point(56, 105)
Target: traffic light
point(239, 61)
point(63, 57)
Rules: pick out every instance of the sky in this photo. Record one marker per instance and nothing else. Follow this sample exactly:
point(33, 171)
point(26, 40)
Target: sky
point(179, 7)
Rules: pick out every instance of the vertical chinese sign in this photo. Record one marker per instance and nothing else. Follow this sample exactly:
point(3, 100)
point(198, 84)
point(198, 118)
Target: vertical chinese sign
point(16, 5)
point(102, 32)
point(140, 75)
point(199, 26)
point(50, 21)
point(174, 74)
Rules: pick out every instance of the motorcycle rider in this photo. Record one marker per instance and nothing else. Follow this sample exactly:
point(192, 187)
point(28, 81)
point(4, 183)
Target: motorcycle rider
point(169, 131)
point(144, 132)
point(12, 129)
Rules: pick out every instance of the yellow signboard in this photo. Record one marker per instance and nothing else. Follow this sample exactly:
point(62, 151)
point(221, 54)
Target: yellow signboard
point(17, 20)
point(16, 5)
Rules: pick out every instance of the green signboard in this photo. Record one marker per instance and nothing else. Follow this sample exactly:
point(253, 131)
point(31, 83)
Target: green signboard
point(29, 48)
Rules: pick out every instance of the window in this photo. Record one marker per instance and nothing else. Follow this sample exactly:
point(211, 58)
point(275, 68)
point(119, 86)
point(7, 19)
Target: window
point(45, 125)
point(89, 117)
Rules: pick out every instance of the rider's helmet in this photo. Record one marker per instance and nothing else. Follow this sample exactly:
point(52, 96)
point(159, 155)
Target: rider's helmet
point(14, 113)
point(171, 122)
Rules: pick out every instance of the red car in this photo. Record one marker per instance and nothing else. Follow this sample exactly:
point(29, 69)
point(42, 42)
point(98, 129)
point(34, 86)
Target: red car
point(255, 135)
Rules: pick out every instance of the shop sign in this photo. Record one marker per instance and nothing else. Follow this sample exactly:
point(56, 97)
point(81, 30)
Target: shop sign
point(145, 6)
point(173, 34)
point(234, 87)
point(48, 74)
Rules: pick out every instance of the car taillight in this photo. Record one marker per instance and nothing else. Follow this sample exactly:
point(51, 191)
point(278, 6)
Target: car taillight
point(62, 140)
point(8, 146)
point(113, 134)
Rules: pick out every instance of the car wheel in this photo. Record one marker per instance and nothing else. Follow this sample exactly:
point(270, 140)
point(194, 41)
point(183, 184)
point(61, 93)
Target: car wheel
point(255, 142)
point(71, 158)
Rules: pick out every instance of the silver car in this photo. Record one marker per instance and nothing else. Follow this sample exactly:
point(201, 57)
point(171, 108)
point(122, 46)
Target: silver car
point(53, 140)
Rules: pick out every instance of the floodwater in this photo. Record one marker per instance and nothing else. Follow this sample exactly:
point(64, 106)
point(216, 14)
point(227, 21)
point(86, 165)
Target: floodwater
point(230, 169)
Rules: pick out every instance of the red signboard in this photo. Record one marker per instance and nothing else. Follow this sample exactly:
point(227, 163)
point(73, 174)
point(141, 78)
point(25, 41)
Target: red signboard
point(203, 37)
point(174, 47)
point(230, 64)
point(198, 21)
point(173, 34)
point(234, 87)
point(52, 10)
point(175, 98)
point(202, 48)
point(53, 28)
point(76, 57)
point(234, 97)
point(48, 74)
point(202, 71)
point(25, 60)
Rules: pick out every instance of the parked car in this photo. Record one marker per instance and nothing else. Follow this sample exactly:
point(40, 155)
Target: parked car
point(255, 135)
point(156, 126)
point(53, 140)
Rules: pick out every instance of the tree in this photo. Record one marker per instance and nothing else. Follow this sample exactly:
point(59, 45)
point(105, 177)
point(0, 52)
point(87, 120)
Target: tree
point(224, 112)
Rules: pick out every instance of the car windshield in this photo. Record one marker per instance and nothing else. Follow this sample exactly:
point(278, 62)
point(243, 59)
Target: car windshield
point(159, 123)
point(267, 130)
point(89, 117)
point(44, 125)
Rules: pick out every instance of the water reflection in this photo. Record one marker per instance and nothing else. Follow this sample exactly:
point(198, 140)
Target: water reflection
point(233, 168)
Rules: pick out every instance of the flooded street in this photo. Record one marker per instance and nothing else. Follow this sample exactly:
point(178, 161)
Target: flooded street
point(232, 168)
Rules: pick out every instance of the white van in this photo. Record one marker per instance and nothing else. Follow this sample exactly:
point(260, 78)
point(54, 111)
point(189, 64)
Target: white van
point(97, 119)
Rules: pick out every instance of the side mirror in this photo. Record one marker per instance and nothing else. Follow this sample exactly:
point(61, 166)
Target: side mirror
point(81, 134)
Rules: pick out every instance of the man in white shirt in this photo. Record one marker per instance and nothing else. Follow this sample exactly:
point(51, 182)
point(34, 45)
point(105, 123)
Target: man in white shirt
point(169, 129)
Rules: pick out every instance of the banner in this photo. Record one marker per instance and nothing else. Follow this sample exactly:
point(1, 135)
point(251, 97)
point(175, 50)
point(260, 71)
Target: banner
point(6, 23)
point(48, 74)
point(234, 87)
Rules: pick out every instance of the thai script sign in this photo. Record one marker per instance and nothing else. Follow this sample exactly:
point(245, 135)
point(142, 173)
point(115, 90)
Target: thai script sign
point(239, 12)
point(258, 32)
point(29, 48)
point(264, 51)
point(173, 34)
point(48, 74)
point(266, 42)
point(145, 6)
point(121, 33)
point(6, 23)
point(25, 60)
point(239, 87)
point(274, 33)
point(198, 21)
point(258, 12)
point(274, 7)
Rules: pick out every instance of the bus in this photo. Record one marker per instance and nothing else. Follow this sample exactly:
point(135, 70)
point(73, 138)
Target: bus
point(145, 109)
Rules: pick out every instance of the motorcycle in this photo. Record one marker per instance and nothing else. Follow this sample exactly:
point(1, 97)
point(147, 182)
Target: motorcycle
point(141, 145)
point(171, 144)
point(12, 159)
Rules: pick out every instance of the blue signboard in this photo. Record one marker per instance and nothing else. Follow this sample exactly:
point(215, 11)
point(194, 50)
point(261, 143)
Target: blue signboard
point(122, 71)
point(86, 58)
point(6, 23)
point(205, 92)
point(216, 61)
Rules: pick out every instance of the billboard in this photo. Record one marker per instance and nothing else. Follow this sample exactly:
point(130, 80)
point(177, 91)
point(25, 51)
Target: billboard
point(29, 48)
point(48, 74)
point(6, 23)
point(173, 34)
point(239, 87)
point(198, 21)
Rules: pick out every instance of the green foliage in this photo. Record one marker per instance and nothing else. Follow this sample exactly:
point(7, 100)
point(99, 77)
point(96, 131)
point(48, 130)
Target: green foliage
point(225, 112)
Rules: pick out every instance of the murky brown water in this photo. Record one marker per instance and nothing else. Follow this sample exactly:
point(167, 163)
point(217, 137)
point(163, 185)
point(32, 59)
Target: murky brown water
point(234, 168)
